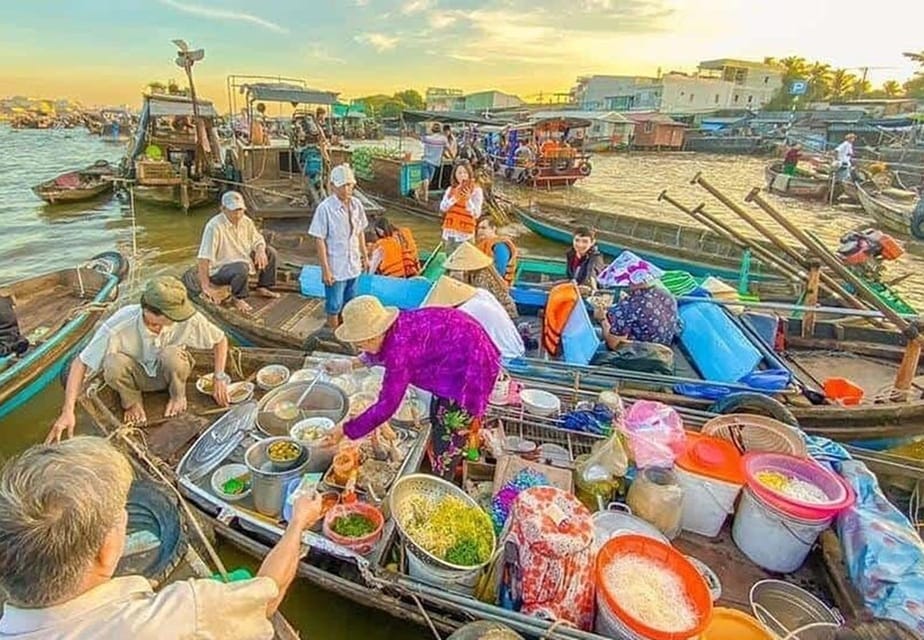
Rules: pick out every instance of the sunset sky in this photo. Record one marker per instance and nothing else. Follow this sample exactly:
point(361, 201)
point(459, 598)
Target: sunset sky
point(106, 52)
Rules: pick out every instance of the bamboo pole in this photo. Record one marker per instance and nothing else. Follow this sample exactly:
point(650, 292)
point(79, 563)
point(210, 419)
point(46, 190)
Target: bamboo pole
point(781, 306)
point(811, 299)
point(830, 283)
point(717, 226)
point(911, 358)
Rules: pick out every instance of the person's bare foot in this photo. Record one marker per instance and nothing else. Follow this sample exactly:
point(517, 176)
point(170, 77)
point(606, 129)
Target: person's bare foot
point(134, 415)
point(175, 407)
point(242, 306)
point(266, 293)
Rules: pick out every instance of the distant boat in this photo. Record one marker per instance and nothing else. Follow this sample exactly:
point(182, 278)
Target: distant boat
point(891, 208)
point(77, 186)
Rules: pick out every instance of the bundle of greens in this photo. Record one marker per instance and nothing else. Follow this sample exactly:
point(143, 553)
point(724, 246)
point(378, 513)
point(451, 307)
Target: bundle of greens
point(450, 529)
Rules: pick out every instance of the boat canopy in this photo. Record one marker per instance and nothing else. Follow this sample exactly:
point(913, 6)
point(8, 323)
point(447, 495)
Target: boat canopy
point(288, 92)
point(557, 123)
point(164, 106)
point(447, 117)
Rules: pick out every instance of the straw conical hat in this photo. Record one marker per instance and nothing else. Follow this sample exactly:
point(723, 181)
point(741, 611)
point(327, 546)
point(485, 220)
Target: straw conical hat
point(449, 292)
point(467, 258)
point(364, 317)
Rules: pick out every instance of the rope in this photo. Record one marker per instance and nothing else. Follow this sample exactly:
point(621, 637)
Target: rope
point(83, 291)
point(561, 622)
point(426, 616)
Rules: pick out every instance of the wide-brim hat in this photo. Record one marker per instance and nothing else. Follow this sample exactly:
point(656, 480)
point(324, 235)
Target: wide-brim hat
point(364, 318)
point(629, 269)
point(449, 292)
point(467, 258)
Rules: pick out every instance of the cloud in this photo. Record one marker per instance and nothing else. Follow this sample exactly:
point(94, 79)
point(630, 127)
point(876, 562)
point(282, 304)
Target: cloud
point(379, 41)
point(441, 20)
point(223, 14)
point(416, 6)
point(319, 54)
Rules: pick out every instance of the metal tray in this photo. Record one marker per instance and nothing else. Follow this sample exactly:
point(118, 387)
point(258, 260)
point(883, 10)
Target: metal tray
point(408, 438)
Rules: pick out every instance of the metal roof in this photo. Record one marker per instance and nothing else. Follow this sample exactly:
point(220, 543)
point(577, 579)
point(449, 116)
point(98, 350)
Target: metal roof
point(287, 92)
point(448, 116)
point(658, 118)
point(602, 116)
point(165, 106)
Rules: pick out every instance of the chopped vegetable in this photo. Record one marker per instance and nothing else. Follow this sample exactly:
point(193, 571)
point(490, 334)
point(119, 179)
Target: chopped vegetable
point(353, 525)
point(790, 487)
point(235, 486)
point(447, 526)
point(650, 593)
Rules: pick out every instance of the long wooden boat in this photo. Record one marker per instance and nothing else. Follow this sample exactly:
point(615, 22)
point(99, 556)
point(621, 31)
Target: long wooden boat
point(380, 579)
point(56, 312)
point(77, 186)
point(804, 185)
point(891, 213)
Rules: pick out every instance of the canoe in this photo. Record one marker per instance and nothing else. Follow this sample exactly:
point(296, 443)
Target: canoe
point(77, 186)
point(800, 185)
point(894, 215)
point(380, 579)
point(56, 313)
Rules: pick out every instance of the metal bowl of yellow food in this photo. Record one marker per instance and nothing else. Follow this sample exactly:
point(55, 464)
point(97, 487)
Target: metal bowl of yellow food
point(285, 453)
point(272, 376)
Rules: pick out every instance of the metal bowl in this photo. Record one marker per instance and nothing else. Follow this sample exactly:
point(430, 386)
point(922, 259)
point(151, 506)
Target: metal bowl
point(324, 401)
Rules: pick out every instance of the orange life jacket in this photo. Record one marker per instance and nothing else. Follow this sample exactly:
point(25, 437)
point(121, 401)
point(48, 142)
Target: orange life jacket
point(458, 218)
point(399, 255)
point(487, 248)
point(562, 300)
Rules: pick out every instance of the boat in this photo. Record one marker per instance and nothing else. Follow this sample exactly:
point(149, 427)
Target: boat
point(548, 159)
point(195, 445)
point(56, 312)
point(175, 153)
point(77, 186)
point(892, 208)
point(811, 185)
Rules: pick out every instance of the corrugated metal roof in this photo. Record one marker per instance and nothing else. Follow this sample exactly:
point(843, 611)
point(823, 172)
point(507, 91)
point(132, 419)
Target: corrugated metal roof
point(449, 116)
point(658, 118)
point(164, 106)
point(603, 116)
point(285, 92)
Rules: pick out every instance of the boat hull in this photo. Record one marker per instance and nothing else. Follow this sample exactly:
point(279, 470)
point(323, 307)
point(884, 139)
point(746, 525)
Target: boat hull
point(889, 216)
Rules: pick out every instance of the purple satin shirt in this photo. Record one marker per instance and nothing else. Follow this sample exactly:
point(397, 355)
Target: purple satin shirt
point(443, 351)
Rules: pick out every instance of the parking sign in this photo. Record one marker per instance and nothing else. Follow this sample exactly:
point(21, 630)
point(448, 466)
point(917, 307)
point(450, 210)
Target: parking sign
point(798, 88)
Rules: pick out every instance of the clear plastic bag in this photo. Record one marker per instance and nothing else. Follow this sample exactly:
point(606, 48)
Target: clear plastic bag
point(654, 433)
point(608, 461)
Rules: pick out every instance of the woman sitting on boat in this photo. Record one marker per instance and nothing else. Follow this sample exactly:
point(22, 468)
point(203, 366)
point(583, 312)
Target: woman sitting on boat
point(583, 258)
point(442, 351)
point(646, 314)
point(462, 207)
point(473, 267)
point(394, 252)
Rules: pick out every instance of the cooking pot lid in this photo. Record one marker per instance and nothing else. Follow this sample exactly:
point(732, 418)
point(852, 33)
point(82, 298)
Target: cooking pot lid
point(219, 441)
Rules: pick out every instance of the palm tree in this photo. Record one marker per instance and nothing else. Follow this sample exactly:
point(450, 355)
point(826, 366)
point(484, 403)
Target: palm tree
point(861, 87)
point(841, 84)
point(156, 87)
point(795, 67)
point(915, 57)
point(819, 77)
point(891, 88)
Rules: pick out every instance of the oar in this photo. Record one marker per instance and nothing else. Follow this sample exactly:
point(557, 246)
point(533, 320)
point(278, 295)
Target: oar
point(780, 306)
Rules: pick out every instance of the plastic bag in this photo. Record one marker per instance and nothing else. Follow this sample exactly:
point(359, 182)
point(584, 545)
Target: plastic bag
point(607, 461)
point(654, 432)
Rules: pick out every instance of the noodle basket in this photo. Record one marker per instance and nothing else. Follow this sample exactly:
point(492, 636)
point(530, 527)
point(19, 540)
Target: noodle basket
point(432, 488)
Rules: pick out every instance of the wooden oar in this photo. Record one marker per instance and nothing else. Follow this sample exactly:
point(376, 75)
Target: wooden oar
point(780, 306)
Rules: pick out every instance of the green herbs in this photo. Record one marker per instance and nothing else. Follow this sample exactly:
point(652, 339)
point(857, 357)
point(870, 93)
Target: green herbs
point(353, 526)
point(464, 552)
point(235, 486)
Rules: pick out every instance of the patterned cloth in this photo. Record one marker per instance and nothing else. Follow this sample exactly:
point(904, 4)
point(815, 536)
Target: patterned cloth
point(490, 280)
point(443, 351)
point(646, 315)
point(450, 427)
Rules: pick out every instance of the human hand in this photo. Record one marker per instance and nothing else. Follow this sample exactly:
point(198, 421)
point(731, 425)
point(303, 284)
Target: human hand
point(327, 277)
point(338, 366)
point(599, 314)
point(210, 294)
point(306, 510)
point(65, 423)
point(259, 259)
point(220, 393)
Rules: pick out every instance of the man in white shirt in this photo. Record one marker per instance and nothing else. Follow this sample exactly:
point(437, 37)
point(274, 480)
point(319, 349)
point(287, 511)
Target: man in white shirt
point(64, 529)
point(484, 308)
point(141, 348)
point(434, 145)
point(339, 229)
point(231, 250)
point(844, 154)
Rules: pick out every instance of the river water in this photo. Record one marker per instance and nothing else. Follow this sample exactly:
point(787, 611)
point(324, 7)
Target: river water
point(37, 237)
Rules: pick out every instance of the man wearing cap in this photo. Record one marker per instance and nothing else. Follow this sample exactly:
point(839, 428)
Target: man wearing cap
point(231, 250)
point(339, 228)
point(142, 347)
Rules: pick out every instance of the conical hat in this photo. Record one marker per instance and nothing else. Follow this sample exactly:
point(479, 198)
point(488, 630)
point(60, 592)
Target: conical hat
point(467, 258)
point(449, 292)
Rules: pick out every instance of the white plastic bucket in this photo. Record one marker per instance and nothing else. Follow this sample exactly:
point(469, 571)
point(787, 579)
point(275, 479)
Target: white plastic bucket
point(463, 582)
point(771, 539)
point(706, 502)
point(608, 624)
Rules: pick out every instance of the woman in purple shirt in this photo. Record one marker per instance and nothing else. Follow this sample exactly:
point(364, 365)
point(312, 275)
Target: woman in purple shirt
point(442, 351)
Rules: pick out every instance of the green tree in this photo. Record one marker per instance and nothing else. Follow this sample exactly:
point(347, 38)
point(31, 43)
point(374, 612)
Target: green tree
point(891, 88)
point(795, 67)
point(842, 83)
point(156, 87)
point(862, 88)
point(819, 79)
point(411, 99)
point(914, 88)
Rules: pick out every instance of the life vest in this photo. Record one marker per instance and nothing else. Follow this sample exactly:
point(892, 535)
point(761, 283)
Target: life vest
point(487, 248)
point(458, 218)
point(399, 255)
point(562, 299)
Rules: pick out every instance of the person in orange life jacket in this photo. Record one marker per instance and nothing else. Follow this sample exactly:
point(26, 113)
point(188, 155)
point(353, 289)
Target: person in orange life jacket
point(394, 252)
point(584, 260)
point(462, 206)
point(500, 248)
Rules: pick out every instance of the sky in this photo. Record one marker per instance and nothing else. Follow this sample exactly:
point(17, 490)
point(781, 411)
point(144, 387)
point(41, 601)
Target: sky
point(106, 52)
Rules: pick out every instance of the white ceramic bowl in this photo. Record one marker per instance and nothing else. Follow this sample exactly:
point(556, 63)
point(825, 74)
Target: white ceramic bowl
point(239, 392)
point(540, 403)
point(272, 376)
point(225, 473)
point(318, 426)
point(303, 375)
point(203, 381)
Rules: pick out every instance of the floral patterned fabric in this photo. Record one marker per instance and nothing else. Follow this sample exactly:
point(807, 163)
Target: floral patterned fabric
point(552, 533)
point(646, 315)
point(450, 427)
point(443, 351)
point(490, 280)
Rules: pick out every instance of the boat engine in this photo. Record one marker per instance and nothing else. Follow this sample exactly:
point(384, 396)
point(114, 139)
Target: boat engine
point(864, 252)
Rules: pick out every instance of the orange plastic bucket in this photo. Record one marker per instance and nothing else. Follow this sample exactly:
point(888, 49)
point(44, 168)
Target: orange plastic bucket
point(697, 590)
point(728, 624)
point(843, 391)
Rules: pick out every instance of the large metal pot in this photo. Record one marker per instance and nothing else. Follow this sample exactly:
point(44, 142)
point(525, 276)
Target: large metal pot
point(325, 400)
point(268, 485)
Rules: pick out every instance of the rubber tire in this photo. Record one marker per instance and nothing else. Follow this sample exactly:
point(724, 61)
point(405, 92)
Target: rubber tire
point(584, 169)
point(150, 507)
point(756, 403)
point(121, 264)
point(917, 223)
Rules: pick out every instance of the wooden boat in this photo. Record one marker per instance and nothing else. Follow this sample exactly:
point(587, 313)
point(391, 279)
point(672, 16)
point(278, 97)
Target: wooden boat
point(551, 163)
point(817, 186)
point(56, 313)
point(892, 213)
point(380, 579)
point(77, 186)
